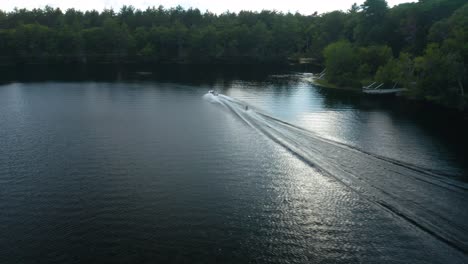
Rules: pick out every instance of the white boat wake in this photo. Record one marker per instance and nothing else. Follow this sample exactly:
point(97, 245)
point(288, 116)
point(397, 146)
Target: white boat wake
point(425, 198)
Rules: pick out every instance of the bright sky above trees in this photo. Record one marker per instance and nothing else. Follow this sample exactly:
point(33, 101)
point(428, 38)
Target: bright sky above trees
point(217, 6)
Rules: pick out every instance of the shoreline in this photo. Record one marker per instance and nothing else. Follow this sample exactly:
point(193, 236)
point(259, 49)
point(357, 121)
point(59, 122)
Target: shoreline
point(324, 84)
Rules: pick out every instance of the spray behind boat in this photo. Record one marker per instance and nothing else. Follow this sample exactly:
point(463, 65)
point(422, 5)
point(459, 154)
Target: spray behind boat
point(213, 92)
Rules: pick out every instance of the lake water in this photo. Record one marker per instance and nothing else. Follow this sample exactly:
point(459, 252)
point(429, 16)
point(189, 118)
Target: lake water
point(143, 166)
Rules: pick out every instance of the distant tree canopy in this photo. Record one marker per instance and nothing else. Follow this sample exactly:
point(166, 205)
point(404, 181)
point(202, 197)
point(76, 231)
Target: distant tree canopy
point(154, 35)
point(422, 45)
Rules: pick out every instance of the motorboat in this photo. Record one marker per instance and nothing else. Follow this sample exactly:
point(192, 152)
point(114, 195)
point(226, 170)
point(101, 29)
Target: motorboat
point(213, 92)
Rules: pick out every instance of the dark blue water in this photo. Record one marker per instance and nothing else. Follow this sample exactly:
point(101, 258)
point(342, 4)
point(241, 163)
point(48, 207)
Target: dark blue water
point(147, 169)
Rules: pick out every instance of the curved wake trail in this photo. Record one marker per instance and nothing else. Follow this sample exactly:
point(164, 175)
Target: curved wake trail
point(424, 198)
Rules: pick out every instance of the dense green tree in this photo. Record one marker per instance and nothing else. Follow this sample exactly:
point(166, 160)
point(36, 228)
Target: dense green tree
point(452, 33)
point(397, 71)
point(372, 58)
point(341, 63)
point(440, 77)
point(32, 41)
point(371, 26)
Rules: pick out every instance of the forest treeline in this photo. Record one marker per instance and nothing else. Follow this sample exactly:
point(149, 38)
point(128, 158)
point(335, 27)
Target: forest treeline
point(421, 46)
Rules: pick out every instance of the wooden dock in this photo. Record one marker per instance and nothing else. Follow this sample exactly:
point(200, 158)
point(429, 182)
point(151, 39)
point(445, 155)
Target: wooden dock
point(375, 88)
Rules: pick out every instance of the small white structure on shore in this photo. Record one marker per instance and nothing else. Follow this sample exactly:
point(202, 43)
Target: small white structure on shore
point(374, 88)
